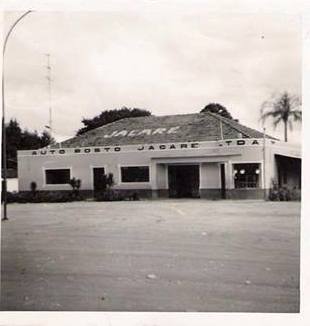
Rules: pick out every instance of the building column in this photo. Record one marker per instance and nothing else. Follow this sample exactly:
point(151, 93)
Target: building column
point(159, 180)
point(153, 179)
point(210, 180)
point(229, 175)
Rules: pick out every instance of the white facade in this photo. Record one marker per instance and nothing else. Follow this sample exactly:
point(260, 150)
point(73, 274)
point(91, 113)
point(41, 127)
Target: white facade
point(208, 156)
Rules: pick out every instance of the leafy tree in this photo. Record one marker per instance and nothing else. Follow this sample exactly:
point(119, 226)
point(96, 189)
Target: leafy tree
point(218, 109)
point(29, 140)
point(46, 139)
point(18, 139)
point(13, 141)
point(109, 116)
point(282, 108)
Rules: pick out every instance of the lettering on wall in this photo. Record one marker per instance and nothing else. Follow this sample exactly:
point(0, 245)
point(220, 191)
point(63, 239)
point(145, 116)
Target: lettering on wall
point(239, 142)
point(157, 147)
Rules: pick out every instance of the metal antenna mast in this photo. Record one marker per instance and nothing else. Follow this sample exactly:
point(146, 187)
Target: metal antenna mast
point(49, 80)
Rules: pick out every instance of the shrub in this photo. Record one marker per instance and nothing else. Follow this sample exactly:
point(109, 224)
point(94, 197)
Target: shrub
point(283, 193)
point(295, 194)
point(76, 185)
point(134, 196)
point(17, 197)
point(42, 197)
point(105, 193)
point(53, 197)
point(274, 191)
point(33, 187)
point(109, 195)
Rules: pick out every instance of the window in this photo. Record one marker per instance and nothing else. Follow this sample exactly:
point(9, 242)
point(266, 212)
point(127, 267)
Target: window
point(135, 174)
point(246, 175)
point(57, 176)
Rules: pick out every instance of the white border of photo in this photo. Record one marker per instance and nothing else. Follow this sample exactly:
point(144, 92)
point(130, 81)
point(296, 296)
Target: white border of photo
point(298, 7)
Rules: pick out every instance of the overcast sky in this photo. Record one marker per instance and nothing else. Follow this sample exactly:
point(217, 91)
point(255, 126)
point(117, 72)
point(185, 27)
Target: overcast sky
point(166, 62)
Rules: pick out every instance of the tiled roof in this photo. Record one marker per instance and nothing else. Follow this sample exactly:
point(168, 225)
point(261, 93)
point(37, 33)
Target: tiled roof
point(164, 129)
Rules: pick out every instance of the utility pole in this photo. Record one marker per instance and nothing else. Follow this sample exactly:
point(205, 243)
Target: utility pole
point(264, 164)
point(4, 156)
point(221, 129)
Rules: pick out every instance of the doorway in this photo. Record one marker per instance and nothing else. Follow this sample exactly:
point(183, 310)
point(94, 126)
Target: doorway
point(183, 181)
point(98, 175)
point(223, 182)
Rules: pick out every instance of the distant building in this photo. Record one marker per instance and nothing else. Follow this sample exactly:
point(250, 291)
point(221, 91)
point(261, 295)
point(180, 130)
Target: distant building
point(191, 155)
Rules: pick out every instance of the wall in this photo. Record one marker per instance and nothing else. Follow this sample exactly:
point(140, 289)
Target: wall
point(31, 167)
point(209, 176)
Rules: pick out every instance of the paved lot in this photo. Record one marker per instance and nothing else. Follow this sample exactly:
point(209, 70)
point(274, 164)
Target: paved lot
point(168, 255)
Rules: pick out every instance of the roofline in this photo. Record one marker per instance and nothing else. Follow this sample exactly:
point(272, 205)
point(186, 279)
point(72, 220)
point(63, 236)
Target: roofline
point(228, 122)
point(217, 116)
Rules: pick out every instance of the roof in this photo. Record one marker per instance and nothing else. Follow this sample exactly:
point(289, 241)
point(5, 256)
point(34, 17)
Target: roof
point(164, 129)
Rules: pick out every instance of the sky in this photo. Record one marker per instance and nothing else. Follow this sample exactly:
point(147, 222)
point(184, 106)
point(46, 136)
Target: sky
point(169, 62)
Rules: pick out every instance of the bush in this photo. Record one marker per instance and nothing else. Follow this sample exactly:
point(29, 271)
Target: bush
point(108, 195)
point(273, 195)
point(17, 197)
point(42, 197)
point(283, 193)
point(295, 194)
point(134, 196)
point(76, 185)
point(105, 192)
point(53, 197)
point(33, 187)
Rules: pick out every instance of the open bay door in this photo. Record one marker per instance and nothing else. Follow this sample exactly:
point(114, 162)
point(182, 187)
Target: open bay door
point(183, 181)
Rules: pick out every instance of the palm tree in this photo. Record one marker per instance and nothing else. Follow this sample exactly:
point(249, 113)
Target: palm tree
point(283, 108)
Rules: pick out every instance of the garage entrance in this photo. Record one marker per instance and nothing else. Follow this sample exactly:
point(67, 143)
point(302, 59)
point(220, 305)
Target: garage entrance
point(289, 171)
point(183, 181)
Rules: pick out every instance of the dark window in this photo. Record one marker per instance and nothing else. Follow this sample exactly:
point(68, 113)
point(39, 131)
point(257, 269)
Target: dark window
point(57, 176)
point(135, 174)
point(246, 175)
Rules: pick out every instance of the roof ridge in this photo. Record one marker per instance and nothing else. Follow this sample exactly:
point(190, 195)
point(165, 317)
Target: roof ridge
point(231, 124)
point(228, 122)
point(147, 116)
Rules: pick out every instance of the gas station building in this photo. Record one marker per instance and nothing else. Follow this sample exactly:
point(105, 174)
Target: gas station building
point(191, 155)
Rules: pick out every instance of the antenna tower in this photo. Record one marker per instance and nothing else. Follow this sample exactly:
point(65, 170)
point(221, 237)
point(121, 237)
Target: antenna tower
point(49, 80)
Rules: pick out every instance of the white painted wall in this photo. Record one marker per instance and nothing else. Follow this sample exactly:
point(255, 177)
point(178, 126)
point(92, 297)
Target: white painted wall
point(210, 176)
point(32, 167)
point(12, 184)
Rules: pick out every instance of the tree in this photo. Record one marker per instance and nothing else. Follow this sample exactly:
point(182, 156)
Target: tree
point(218, 109)
point(282, 108)
point(46, 139)
point(109, 116)
point(13, 140)
point(18, 139)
